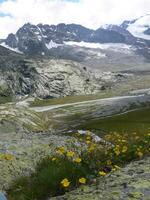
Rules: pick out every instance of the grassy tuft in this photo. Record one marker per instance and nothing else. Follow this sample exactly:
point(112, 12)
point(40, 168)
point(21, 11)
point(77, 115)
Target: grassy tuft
point(46, 181)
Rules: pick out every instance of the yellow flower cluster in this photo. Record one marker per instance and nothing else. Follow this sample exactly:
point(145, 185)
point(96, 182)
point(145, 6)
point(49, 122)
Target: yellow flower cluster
point(82, 180)
point(78, 160)
point(70, 154)
point(102, 173)
point(7, 157)
point(60, 150)
point(115, 151)
point(65, 183)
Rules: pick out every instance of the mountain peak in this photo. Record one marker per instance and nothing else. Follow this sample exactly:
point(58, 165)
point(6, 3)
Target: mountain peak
point(138, 27)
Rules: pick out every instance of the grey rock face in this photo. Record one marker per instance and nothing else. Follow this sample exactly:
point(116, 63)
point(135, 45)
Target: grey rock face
point(126, 23)
point(49, 78)
point(129, 38)
point(147, 32)
point(44, 78)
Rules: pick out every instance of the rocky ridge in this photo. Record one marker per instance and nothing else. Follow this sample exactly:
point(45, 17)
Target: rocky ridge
point(49, 78)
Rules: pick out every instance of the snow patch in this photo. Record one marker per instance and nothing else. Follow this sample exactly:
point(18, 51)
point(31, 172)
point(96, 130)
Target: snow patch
point(139, 27)
point(12, 49)
point(107, 46)
point(52, 45)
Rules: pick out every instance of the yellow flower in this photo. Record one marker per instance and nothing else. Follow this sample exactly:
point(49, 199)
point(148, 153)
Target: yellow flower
point(91, 148)
point(61, 150)
point(137, 137)
point(102, 173)
point(65, 183)
point(123, 141)
point(88, 138)
point(109, 162)
point(134, 133)
point(8, 157)
point(53, 159)
point(88, 141)
point(78, 160)
point(70, 154)
point(140, 154)
point(124, 149)
point(82, 180)
point(116, 150)
point(88, 133)
point(116, 167)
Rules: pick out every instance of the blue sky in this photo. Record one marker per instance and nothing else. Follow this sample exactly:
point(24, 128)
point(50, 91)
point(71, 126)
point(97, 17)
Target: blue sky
point(90, 13)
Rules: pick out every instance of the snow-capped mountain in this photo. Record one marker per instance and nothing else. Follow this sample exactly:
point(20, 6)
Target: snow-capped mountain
point(40, 39)
point(110, 46)
point(139, 27)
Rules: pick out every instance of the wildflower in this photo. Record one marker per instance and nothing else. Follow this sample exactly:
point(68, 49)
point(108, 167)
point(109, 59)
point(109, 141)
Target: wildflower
point(61, 150)
point(65, 183)
point(124, 149)
point(82, 180)
point(140, 154)
point(91, 148)
point(117, 152)
point(78, 160)
point(53, 159)
point(108, 162)
point(88, 133)
point(70, 154)
point(88, 141)
point(8, 157)
point(102, 173)
point(137, 137)
point(123, 141)
point(134, 133)
point(116, 167)
point(88, 138)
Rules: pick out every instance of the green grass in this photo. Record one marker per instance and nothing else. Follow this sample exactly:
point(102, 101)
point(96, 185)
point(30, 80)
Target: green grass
point(137, 120)
point(5, 99)
point(46, 181)
point(65, 100)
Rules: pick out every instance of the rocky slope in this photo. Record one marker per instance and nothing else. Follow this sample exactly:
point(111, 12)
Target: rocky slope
point(48, 78)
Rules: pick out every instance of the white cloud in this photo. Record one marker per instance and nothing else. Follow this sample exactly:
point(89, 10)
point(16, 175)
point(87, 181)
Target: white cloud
point(90, 13)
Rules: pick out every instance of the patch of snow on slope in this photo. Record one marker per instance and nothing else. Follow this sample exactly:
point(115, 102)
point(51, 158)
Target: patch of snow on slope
point(107, 46)
point(52, 45)
point(137, 29)
point(12, 49)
